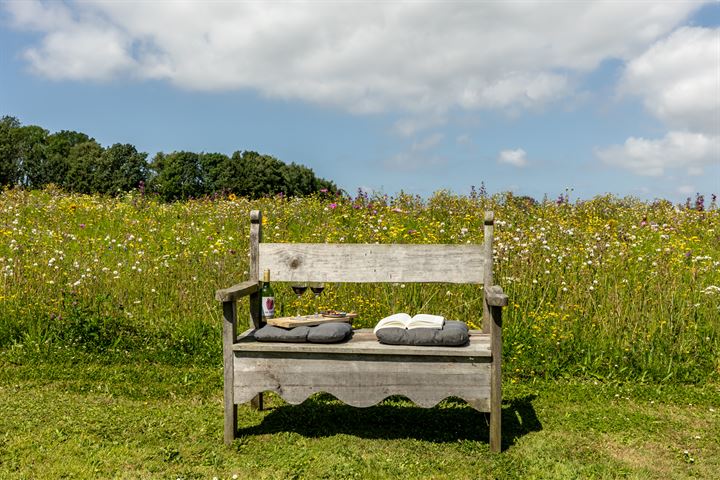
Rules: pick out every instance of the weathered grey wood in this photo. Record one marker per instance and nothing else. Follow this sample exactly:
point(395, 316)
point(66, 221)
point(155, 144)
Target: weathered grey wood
point(254, 271)
point(488, 270)
point(309, 320)
point(364, 342)
point(254, 267)
point(495, 297)
point(361, 371)
point(236, 292)
point(360, 382)
point(255, 239)
point(492, 323)
point(229, 335)
point(361, 263)
point(496, 380)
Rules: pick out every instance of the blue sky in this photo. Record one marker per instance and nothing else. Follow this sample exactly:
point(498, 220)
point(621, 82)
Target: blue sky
point(600, 97)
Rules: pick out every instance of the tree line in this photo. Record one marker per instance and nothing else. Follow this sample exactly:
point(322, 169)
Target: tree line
point(32, 157)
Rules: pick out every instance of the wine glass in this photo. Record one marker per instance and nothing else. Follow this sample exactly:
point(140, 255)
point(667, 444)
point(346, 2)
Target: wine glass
point(299, 288)
point(316, 288)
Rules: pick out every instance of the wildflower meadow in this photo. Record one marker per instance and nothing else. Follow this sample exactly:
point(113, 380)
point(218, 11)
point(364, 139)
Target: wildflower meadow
point(607, 288)
point(111, 361)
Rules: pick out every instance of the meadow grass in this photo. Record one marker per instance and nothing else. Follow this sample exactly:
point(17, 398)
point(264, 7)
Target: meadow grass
point(608, 288)
point(141, 420)
point(110, 348)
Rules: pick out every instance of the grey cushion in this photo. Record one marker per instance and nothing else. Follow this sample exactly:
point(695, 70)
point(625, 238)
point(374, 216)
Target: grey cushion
point(331, 332)
point(453, 334)
point(270, 333)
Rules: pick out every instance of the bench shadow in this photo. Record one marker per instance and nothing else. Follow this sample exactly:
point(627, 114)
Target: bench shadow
point(398, 418)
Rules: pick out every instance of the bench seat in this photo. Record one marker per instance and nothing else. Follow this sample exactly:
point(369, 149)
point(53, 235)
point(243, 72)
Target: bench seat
point(362, 372)
point(364, 342)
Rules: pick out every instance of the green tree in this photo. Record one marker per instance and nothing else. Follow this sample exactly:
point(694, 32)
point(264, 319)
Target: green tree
point(178, 176)
point(120, 168)
point(31, 144)
point(83, 165)
point(212, 166)
point(56, 162)
point(9, 151)
point(231, 174)
point(253, 175)
point(32, 157)
point(299, 180)
point(256, 175)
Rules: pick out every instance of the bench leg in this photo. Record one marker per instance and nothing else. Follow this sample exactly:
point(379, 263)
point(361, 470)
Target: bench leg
point(496, 379)
point(230, 420)
point(495, 408)
point(229, 337)
point(257, 402)
point(495, 437)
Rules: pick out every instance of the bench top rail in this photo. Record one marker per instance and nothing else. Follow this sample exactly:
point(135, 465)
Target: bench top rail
point(370, 263)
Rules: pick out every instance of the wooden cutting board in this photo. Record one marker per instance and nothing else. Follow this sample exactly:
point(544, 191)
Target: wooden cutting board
point(309, 320)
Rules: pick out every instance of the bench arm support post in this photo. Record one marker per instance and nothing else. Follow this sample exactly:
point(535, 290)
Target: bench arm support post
point(229, 297)
point(495, 300)
point(229, 336)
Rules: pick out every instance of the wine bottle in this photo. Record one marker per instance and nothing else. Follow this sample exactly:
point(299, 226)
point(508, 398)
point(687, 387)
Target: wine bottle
point(267, 298)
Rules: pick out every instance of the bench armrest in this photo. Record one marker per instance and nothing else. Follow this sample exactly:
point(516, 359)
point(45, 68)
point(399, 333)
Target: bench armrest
point(495, 297)
point(238, 291)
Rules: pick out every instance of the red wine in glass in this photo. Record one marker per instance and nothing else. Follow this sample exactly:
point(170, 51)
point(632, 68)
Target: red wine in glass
point(299, 289)
point(316, 289)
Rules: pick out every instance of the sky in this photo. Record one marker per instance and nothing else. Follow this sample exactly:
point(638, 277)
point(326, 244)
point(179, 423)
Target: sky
point(537, 98)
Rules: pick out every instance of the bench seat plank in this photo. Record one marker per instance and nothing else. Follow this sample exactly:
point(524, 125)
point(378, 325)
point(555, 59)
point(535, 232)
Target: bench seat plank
point(364, 342)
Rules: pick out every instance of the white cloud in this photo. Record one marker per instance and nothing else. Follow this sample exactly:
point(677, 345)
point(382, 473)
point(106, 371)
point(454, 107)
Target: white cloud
point(418, 156)
point(690, 151)
point(678, 79)
point(516, 158)
point(408, 127)
point(427, 142)
point(34, 15)
point(361, 57)
point(91, 53)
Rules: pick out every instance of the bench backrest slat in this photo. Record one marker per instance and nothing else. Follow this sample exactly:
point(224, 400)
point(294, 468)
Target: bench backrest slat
point(363, 263)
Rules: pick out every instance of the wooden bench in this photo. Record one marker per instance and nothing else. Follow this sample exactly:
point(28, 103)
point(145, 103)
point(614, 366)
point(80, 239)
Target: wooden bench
point(362, 372)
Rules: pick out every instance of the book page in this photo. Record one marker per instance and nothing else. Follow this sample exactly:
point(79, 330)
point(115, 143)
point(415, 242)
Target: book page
point(425, 320)
point(399, 320)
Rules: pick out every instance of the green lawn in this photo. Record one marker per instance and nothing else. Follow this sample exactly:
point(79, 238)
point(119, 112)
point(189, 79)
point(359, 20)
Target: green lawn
point(144, 420)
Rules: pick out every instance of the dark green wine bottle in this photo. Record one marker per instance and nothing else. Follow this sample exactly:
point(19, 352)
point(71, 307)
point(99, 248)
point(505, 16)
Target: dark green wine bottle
point(267, 298)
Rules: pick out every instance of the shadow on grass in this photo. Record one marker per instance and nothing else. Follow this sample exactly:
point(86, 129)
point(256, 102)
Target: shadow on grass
point(397, 418)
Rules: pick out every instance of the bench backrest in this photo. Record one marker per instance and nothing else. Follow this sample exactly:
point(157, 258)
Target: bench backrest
point(361, 263)
point(364, 263)
point(370, 263)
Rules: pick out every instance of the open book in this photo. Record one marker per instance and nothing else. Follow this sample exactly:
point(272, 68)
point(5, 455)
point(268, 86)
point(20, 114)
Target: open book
point(403, 320)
